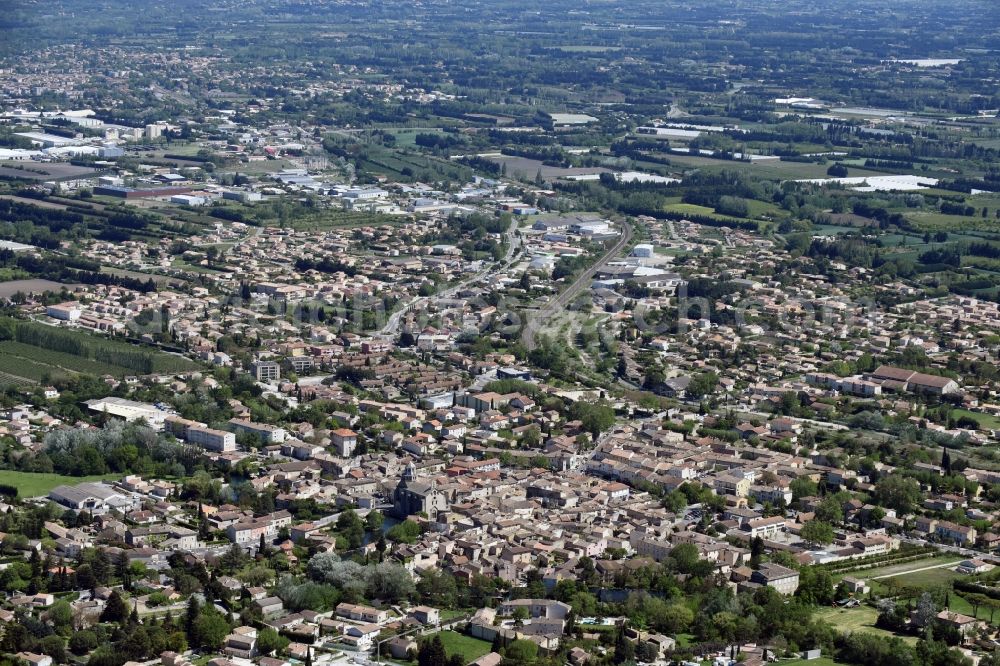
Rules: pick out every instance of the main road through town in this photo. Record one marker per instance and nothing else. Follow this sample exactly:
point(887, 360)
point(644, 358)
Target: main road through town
point(513, 238)
point(538, 320)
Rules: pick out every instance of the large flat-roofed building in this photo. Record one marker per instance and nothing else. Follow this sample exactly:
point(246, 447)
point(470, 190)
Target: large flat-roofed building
point(643, 250)
point(94, 498)
point(901, 379)
point(46, 140)
point(129, 410)
point(590, 227)
point(178, 427)
point(570, 119)
point(265, 371)
point(212, 439)
point(364, 193)
point(64, 311)
point(242, 195)
point(268, 434)
point(194, 432)
point(188, 200)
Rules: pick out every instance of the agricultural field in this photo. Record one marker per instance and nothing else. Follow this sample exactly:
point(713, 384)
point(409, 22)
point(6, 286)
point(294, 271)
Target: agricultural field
point(31, 286)
point(101, 216)
point(405, 165)
point(41, 350)
point(757, 209)
point(930, 221)
point(582, 48)
point(160, 280)
point(15, 381)
point(22, 371)
point(46, 170)
point(831, 230)
point(526, 168)
point(59, 360)
point(35, 202)
point(768, 169)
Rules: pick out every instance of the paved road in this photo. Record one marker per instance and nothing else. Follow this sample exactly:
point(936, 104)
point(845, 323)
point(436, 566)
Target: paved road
point(392, 326)
point(542, 318)
point(671, 231)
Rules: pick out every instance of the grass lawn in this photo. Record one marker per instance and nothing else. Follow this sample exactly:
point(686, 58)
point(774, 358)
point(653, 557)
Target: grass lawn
point(960, 605)
point(407, 136)
point(869, 574)
point(671, 251)
point(849, 620)
point(762, 208)
point(690, 209)
point(984, 420)
point(449, 615)
point(470, 648)
point(931, 578)
point(32, 484)
point(705, 211)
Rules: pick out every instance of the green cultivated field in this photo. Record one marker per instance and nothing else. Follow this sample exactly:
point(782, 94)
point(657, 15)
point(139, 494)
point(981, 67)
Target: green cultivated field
point(7, 379)
point(24, 371)
point(39, 351)
point(32, 484)
point(52, 359)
